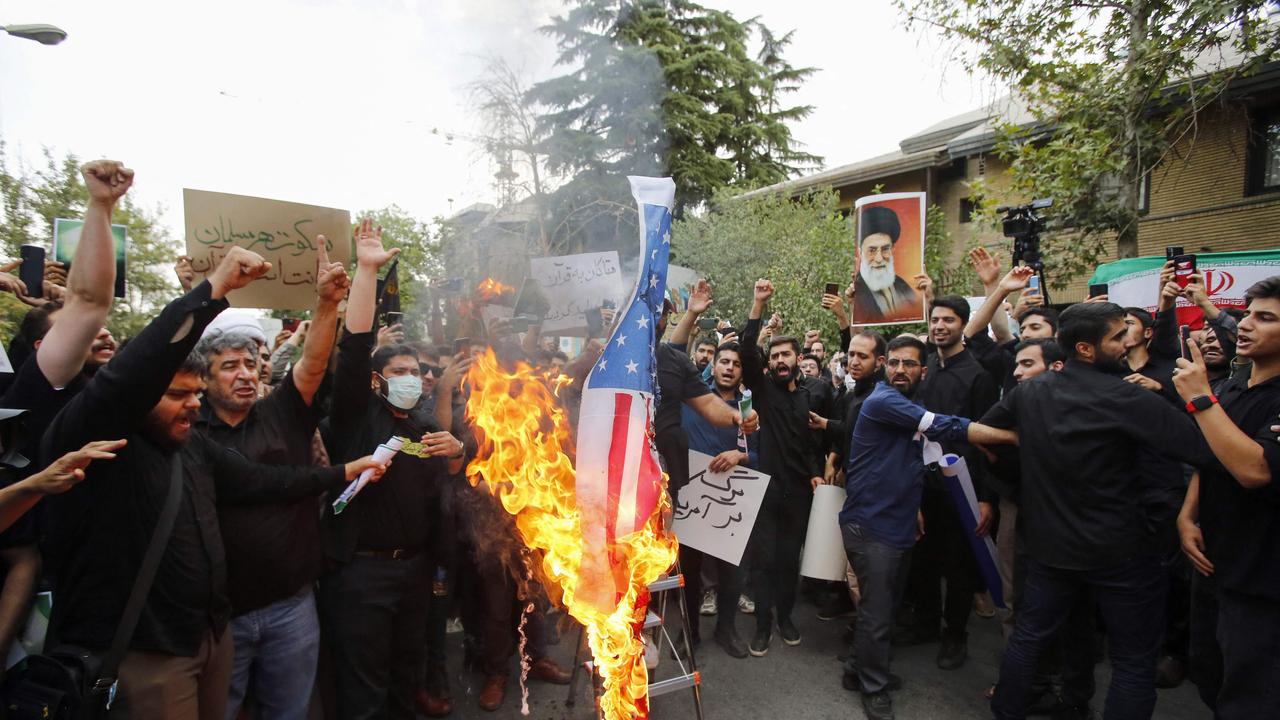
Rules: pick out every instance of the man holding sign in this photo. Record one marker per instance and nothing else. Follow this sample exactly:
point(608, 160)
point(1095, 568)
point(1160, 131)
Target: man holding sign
point(722, 444)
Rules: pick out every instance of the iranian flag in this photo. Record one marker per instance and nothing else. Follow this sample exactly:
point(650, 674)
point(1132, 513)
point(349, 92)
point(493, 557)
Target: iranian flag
point(1135, 282)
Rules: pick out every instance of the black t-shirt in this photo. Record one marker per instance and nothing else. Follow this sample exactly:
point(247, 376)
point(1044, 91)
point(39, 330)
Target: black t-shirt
point(1242, 526)
point(678, 380)
point(32, 392)
point(1082, 436)
point(272, 549)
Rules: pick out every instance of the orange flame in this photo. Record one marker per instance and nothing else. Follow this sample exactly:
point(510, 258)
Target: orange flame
point(525, 439)
point(490, 289)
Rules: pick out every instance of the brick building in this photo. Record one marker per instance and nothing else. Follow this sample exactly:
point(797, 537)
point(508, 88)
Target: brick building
point(1218, 189)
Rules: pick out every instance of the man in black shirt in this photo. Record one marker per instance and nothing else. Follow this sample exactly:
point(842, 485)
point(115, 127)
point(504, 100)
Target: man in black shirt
point(954, 384)
point(1082, 434)
point(179, 658)
point(373, 602)
point(1236, 500)
point(273, 549)
point(791, 457)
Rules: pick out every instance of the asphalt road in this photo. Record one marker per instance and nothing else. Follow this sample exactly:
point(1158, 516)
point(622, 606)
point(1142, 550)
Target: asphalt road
point(800, 682)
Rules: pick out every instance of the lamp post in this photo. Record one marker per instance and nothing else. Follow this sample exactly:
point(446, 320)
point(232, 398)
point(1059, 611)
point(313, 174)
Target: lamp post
point(40, 32)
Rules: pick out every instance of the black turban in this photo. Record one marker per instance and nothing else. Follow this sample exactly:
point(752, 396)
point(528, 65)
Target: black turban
point(878, 219)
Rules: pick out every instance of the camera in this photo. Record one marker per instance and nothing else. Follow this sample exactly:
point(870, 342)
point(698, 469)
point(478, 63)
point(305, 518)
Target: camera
point(1023, 225)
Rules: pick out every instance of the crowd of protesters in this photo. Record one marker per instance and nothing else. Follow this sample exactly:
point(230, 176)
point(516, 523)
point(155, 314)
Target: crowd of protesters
point(1125, 476)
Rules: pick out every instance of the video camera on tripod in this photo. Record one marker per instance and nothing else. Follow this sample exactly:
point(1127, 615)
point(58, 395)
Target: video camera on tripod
point(1024, 225)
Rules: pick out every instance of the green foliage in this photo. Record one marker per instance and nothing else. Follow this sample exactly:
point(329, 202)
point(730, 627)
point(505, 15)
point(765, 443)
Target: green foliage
point(1110, 87)
point(801, 244)
point(660, 87)
point(32, 201)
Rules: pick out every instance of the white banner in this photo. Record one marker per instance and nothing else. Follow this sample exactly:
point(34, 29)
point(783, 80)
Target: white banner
point(574, 284)
point(1135, 282)
point(716, 512)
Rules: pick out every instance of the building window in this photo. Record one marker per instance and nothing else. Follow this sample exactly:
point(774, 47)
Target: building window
point(1264, 152)
point(967, 207)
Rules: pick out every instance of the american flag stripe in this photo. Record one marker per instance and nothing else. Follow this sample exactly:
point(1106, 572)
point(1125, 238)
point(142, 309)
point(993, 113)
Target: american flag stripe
point(618, 452)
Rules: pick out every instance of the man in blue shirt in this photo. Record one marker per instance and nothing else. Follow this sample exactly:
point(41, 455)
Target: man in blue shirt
point(722, 444)
point(884, 480)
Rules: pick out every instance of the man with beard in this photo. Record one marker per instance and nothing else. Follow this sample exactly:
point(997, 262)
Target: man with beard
point(955, 384)
point(879, 294)
point(791, 456)
point(880, 519)
point(179, 658)
point(866, 367)
point(997, 355)
point(273, 550)
point(722, 445)
point(1081, 433)
point(704, 352)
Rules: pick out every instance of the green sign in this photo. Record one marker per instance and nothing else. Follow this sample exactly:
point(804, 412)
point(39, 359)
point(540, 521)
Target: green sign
point(66, 238)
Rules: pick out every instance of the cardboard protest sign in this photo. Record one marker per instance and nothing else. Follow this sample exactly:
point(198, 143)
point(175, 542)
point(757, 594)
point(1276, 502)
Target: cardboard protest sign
point(283, 233)
point(890, 249)
point(574, 284)
point(716, 512)
point(1135, 282)
point(66, 238)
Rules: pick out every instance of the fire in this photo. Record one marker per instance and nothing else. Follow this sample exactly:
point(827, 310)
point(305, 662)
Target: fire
point(490, 289)
point(525, 446)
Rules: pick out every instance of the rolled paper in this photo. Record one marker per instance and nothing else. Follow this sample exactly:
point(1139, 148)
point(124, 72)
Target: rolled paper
point(744, 407)
point(824, 556)
point(382, 454)
point(960, 488)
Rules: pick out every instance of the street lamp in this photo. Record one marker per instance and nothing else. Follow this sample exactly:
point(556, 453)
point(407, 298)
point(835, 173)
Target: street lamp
point(40, 32)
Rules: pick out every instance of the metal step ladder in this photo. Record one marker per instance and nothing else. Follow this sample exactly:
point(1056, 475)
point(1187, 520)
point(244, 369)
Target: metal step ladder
point(661, 591)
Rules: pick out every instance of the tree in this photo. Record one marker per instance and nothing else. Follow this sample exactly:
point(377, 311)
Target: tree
point(800, 243)
point(418, 262)
point(1110, 85)
point(659, 87)
point(32, 201)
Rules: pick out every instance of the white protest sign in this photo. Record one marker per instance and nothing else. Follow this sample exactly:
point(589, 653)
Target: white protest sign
point(5, 365)
point(716, 512)
point(824, 556)
point(574, 284)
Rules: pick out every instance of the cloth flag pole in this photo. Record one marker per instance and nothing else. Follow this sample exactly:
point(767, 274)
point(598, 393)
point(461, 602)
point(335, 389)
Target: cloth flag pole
point(960, 487)
point(619, 482)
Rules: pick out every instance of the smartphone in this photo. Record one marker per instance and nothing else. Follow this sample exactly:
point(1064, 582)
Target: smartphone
point(461, 345)
point(290, 324)
point(1184, 337)
point(1172, 251)
point(832, 289)
point(708, 323)
point(394, 318)
point(1097, 289)
point(595, 323)
point(31, 272)
point(1183, 267)
point(1033, 285)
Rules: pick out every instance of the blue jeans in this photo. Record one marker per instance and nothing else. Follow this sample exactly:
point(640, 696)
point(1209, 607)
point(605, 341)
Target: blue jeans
point(279, 645)
point(1130, 595)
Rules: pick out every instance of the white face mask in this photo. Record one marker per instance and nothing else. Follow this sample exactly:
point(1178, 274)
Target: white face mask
point(403, 391)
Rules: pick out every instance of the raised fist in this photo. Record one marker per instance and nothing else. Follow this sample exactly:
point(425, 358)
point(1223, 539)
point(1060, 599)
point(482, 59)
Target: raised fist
point(107, 180)
point(239, 268)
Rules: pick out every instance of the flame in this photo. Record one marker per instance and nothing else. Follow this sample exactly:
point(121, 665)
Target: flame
point(525, 441)
point(490, 289)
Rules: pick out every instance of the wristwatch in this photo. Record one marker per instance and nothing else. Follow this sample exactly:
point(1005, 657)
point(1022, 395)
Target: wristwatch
point(1201, 402)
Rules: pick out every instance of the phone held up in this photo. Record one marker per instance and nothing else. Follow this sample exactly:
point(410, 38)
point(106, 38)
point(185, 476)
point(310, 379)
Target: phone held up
point(1097, 290)
point(1183, 267)
point(1184, 341)
point(31, 272)
point(832, 289)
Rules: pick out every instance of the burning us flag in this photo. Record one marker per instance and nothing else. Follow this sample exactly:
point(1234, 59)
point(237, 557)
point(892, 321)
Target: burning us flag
point(619, 482)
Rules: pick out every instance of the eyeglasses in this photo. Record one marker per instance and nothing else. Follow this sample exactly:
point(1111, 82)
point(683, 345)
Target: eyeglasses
point(900, 362)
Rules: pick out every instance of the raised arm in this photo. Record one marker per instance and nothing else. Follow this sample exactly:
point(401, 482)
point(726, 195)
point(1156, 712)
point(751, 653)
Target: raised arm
point(699, 302)
point(1013, 281)
point(93, 277)
point(331, 289)
point(370, 257)
point(1246, 458)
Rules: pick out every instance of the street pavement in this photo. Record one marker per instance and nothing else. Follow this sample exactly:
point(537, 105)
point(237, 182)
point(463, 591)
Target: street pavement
point(798, 682)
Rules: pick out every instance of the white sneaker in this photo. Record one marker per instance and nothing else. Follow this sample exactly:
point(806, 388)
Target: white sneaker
point(708, 603)
point(746, 606)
